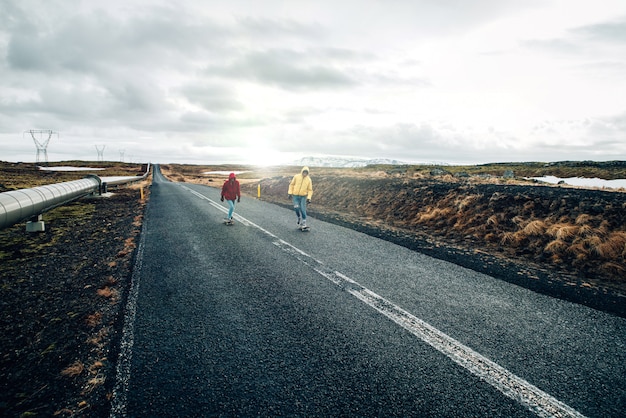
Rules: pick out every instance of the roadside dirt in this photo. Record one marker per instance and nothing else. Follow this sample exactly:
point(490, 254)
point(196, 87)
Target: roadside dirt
point(61, 297)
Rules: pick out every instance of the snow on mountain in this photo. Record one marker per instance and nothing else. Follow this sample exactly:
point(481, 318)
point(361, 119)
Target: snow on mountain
point(343, 162)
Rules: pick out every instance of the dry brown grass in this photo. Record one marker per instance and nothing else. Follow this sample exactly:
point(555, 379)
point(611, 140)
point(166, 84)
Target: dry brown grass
point(513, 239)
point(434, 214)
point(109, 293)
point(563, 231)
point(534, 228)
point(99, 338)
point(469, 201)
point(138, 220)
point(93, 383)
point(614, 246)
point(556, 246)
point(579, 250)
point(493, 220)
point(594, 244)
point(73, 369)
point(94, 319)
point(144, 184)
point(129, 247)
point(585, 230)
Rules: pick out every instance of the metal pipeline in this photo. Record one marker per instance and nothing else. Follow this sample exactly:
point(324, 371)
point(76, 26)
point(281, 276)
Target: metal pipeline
point(24, 204)
point(20, 205)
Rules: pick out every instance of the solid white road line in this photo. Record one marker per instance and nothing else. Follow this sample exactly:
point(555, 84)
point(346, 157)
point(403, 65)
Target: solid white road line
point(122, 378)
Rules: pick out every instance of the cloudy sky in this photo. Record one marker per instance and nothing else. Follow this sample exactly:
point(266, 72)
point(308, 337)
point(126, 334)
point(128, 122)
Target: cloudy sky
point(270, 81)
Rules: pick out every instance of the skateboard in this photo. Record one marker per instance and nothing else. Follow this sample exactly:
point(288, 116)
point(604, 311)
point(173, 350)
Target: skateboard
point(229, 222)
point(305, 228)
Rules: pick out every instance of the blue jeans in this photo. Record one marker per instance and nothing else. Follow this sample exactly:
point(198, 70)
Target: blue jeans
point(299, 205)
point(231, 208)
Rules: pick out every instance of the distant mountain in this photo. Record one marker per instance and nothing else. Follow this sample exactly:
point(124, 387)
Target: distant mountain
point(343, 162)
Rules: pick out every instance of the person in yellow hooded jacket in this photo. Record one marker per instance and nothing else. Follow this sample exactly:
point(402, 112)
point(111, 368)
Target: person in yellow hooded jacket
point(301, 191)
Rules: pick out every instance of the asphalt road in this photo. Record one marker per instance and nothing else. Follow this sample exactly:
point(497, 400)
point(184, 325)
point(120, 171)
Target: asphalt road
point(260, 319)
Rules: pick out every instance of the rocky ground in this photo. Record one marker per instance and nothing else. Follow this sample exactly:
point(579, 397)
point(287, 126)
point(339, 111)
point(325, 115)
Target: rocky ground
point(62, 291)
point(61, 297)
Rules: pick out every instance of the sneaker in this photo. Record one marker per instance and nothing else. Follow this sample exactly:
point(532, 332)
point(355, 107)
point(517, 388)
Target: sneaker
point(303, 224)
point(298, 220)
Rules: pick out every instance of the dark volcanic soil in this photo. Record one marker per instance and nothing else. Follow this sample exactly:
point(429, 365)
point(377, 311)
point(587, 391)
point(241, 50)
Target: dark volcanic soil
point(61, 297)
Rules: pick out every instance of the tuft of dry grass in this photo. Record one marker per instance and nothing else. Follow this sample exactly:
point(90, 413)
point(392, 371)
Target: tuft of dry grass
point(99, 338)
point(129, 247)
point(594, 244)
point(94, 319)
point(535, 228)
point(556, 246)
point(469, 201)
point(585, 230)
point(614, 246)
point(563, 231)
point(493, 220)
point(579, 250)
point(73, 369)
point(491, 237)
point(97, 365)
point(93, 383)
point(108, 293)
point(434, 214)
point(137, 221)
point(513, 239)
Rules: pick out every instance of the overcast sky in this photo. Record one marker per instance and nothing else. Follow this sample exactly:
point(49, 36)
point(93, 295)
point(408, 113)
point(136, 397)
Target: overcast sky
point(199, 81)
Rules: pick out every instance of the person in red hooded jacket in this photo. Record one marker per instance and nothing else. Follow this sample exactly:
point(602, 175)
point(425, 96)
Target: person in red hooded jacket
point(231, 192)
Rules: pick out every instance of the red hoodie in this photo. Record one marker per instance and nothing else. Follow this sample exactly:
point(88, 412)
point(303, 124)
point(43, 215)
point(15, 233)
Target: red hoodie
point(230, 189)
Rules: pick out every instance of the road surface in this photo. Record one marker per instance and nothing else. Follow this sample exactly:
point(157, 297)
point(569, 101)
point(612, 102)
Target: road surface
point(260, 319)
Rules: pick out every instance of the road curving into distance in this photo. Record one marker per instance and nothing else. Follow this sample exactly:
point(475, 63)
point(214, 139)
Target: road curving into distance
point(262, 319)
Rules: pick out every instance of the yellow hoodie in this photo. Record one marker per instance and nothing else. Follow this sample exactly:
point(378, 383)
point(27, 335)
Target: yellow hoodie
point(301, 185)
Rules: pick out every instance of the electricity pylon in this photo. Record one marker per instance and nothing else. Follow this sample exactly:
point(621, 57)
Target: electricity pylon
point(100, 152)
point(41, 144)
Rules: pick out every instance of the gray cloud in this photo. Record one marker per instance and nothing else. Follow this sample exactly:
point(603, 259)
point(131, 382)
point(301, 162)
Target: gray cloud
point(613, 31)
point(284, 68)
point(584, 39)
point(95, 42)
point(211, 97)
point(185, 80)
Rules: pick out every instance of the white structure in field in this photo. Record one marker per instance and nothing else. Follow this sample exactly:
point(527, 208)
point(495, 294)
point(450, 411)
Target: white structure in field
point(41, 137)
point(100, 151)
